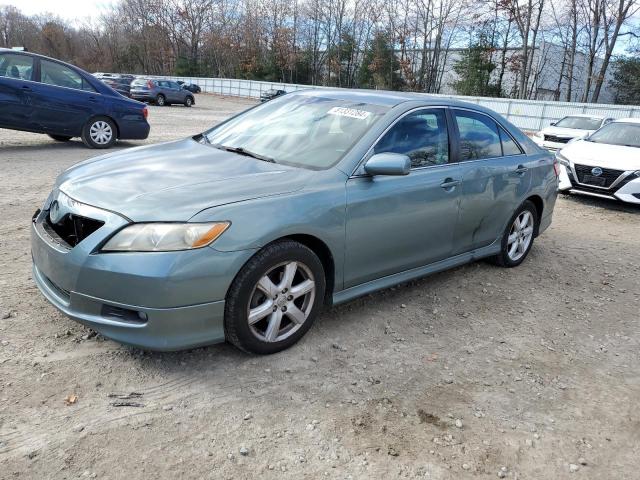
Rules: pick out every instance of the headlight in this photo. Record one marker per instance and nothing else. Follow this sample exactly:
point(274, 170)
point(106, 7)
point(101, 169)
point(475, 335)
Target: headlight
point(164, 237)
point(562, 160)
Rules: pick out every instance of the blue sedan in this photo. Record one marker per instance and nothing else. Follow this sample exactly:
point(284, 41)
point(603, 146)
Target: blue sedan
point(243, 232)
point(43, 95)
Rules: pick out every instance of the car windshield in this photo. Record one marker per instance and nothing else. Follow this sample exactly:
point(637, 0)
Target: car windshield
point(302, 131)
point(580, 123)
point(618, 133)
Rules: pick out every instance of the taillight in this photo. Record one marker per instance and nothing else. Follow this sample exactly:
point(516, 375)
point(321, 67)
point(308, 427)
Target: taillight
point(149, 84)
point(556, 168)
point(145, 112)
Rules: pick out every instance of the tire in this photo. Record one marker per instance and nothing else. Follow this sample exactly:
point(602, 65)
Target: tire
point(248, 296)
point(60, 138)
point(508, 257)
point(99, 132)
point(188, 101)
point(161, 101)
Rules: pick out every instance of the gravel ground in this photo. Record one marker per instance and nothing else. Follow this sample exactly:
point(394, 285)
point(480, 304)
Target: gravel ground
point(478, 372)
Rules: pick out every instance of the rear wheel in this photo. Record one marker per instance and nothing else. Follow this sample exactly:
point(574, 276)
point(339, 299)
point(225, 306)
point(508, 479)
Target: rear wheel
point(275, 298)
point(517, 239)
point(161, 101)
point(99, 132)
point(60, 138)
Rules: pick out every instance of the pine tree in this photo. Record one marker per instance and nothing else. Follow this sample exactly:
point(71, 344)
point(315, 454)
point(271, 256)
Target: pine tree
point(474, 70)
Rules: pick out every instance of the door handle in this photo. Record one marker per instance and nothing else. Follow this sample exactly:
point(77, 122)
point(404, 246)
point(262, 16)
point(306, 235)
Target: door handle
point(449, 183)
point(521, 170)
point(26, 87)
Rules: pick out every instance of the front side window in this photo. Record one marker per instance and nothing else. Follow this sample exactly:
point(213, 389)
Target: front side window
point(299, 130)
point(15, 66)
point(53, 73)
point(479, 137)
point(422, 135)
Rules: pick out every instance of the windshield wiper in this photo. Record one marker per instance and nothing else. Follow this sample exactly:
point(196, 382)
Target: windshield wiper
point(243, 151)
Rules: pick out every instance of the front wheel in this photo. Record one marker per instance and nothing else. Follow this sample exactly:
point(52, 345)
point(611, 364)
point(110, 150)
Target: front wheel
point(188, 102)
point(99, 132)
point(517, 239)
point(275, 298)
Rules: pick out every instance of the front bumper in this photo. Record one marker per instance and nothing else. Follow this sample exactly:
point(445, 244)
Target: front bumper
point(154, 300)
point(627, 191)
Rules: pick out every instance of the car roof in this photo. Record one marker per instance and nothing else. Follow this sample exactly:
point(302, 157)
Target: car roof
point(384, 97)
point(627, 120)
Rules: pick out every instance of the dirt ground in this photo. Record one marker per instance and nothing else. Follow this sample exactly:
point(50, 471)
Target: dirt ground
point(479, 372)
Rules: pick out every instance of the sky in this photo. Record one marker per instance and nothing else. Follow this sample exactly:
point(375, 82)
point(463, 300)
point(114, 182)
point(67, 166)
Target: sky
point(72, 10)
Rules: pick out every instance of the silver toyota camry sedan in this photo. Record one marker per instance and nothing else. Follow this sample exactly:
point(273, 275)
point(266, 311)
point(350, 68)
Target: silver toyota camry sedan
point(242, 233)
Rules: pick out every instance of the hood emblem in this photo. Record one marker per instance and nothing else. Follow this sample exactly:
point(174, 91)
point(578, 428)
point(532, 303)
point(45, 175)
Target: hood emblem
point(596, 171)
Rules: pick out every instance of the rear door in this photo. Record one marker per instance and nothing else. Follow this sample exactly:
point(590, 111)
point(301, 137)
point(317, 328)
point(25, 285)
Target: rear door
point(16, 75)
point(64, 100)
point(495, 179)
point(395, 223)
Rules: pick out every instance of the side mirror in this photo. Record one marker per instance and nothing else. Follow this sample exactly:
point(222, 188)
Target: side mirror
point(388, 164)
point(552, 124)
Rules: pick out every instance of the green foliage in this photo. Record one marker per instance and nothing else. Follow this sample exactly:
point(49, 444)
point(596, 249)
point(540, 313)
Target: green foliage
point(474, 70)
point(380, 67)
point(626, 81)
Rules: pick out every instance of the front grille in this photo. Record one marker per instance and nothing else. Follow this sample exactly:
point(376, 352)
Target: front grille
point(608, 176)
point(553, 138)
point(72, 229)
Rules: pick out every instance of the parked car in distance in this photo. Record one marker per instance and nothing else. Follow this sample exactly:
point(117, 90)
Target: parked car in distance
point(44, 95)
point(192, 87)
point(161, 92)
point(243, 232)
point(558, 134)
point(271, 94)
point(604, 164)
point(122, 84)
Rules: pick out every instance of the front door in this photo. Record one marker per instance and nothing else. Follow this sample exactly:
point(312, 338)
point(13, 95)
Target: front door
point(16, 73)
point(395, 223)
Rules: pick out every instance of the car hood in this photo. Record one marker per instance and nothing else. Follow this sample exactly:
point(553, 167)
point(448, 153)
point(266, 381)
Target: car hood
point(176, 180)
point(565, 132)
point(594, 154)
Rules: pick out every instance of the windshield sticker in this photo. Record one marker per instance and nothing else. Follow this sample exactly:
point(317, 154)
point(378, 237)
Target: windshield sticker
point(349, 112)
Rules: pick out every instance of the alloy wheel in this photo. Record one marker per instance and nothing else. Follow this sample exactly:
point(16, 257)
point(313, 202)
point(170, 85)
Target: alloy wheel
point(281, 301)
point(520, 236)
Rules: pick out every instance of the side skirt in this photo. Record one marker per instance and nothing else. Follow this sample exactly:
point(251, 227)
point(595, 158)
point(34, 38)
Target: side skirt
point(412, 274)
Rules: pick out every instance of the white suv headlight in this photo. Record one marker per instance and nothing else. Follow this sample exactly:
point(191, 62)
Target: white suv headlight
point(164, 237)
point(562, 160)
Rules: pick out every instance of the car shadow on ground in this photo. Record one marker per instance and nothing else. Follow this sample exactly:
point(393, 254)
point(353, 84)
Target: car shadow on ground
point(609, 204)
point(72, 145)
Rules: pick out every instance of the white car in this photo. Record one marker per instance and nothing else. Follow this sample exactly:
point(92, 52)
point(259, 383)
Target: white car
point(568, 128)
point(604, 164)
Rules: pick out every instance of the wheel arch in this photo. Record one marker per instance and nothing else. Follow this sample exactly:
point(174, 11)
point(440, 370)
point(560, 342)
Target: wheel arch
point(322, 250)
point(539, 204)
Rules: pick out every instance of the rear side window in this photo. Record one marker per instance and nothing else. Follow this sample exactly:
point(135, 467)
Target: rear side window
point(479, 137)
point(19, 67)
point(53, 73)
point(422, 135)
point(509, 147)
